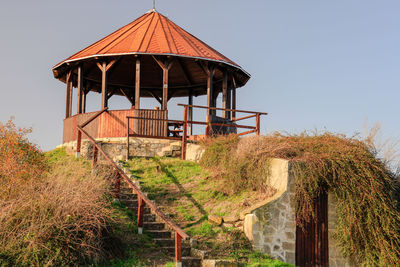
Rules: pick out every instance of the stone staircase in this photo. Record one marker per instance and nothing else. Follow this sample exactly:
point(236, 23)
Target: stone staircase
point(157, 229)
point(173, 150)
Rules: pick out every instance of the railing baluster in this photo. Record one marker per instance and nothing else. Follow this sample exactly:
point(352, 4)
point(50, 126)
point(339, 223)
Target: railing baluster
point(178, 250)
point(184, 135)
point(258, 123)
point(78, 144)
point(127, 139)
point(140, 215)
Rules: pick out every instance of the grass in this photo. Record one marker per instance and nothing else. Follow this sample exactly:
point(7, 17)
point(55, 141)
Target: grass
point(188, 193)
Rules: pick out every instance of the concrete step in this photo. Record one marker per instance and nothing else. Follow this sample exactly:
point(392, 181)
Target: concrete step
point(159, 233)
point(130, 202)
point(154, 225)
point(134, 209)
point(191, 262)
point(127, 196)
point(171, 251)
point(149, 217)
point(165, 242)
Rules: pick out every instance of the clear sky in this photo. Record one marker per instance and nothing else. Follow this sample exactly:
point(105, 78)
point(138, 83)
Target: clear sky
point(314, 64)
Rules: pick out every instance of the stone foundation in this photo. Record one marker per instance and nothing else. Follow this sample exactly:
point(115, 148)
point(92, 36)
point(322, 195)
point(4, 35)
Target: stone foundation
point(138, 147)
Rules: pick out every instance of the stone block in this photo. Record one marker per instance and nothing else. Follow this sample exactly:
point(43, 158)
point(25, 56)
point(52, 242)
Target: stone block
point(289, 246)
point(249, 221)
point(231, 219)
point(214, 219)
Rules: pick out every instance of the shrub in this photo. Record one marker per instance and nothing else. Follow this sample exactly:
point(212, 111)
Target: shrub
point(368, 218)
point(53, 211)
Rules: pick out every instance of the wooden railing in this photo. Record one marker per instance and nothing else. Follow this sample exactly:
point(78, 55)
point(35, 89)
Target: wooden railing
point(142, 198)
point(252, 129)
point(185, 122)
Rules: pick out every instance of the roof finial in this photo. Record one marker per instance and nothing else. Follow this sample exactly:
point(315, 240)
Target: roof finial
point(154, 5)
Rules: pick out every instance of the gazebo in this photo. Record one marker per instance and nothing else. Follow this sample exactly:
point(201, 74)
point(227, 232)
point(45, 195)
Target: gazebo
point(150, 57)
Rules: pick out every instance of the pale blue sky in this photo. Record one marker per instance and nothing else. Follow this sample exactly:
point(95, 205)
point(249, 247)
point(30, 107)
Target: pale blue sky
point(314, 64)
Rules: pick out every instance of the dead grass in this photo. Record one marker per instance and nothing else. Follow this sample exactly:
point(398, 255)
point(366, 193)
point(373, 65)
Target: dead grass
point(58, 219)
point(351, 168)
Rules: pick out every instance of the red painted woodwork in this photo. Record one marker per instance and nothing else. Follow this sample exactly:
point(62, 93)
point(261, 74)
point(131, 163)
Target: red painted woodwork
point(113, 124)
point(312, 239)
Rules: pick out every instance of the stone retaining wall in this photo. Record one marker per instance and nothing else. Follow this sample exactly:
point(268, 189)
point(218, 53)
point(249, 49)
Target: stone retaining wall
point(271, 224)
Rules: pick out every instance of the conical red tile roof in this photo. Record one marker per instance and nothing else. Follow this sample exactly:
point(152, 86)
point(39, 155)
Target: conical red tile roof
point(152, 33)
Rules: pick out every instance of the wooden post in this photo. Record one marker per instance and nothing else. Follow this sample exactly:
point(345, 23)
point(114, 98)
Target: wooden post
point(233, 103)
point(80, 91)
point(137, 84)
point(184, 135)
point(84, 102)
point(140, 215)
point(78, 143)
point(104, 91)
point(225, 94)
point(127, 139)
point(190, 112)
point(68, 99)
point(95, 155)
point(165, 86)
point(210, 89)
point(178, 250)
point(258, 123)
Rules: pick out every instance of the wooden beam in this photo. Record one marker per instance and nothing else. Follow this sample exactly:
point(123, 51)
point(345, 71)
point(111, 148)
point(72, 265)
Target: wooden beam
point(80, 91)
point(137, 84)
point(190, 112)
point(68, 99)
point(104, 93)
point(111, 64)
point(127, 96)
point(156, 97)
point(225, 94)
point(185, 73)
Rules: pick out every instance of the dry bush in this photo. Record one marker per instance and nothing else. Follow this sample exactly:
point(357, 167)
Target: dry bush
point(54, 211)
point(368, 220)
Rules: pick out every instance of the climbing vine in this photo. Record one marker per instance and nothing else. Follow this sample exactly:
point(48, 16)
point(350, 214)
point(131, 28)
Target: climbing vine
point(368, 224)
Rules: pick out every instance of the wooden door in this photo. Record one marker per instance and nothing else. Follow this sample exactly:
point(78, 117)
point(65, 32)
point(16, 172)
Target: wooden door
point(312, 240)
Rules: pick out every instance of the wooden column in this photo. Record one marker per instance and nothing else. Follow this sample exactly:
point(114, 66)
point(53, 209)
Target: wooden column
point(68, 99)
point(233, 102)
point(80, 91)
point(233, 98)
point(84, 101)
point(210, 90)
point(190, 112)
point(137, 84)
point(225, 94)
point(104, 91)
point(165, 86)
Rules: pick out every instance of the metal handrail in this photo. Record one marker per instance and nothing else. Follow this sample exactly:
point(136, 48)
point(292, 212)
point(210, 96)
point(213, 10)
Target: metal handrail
point(179, 233)
point(137, 190)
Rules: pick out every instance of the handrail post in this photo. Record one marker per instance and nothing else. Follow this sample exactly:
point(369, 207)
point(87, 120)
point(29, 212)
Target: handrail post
point(140, 215)
point(117, 185)
point(95, 155)
point(178, 250)
point(258, 123)
point(127, 139)
point(78, 143)
point(184, 136)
